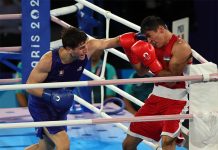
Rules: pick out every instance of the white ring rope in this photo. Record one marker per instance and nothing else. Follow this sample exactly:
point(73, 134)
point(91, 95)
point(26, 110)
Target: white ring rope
point(94, 109)
point(66, 10)
point(104, 115)
point(198, 57)
point(95, 121)
point(213, 76)
point(54, 12)
point(61, 11)
point(123, 56)
point(10, 81)
point(128, 23)
point(109, 15)
point(11, 49)
point(60, 22)
point(10, 16)
point(58, 43)
point(121, 20)
point(115, 88)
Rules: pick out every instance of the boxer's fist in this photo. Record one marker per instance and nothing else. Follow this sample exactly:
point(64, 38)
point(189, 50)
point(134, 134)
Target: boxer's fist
point(60, 99)
point(126, 41)
point(145, 52)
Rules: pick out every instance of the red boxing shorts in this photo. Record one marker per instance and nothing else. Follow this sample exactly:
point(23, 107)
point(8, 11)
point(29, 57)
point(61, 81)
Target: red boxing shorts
point(156, 105)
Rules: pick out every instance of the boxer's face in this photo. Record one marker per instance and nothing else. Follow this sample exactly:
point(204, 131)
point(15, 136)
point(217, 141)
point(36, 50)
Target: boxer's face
point(156, 38)
point(80, 51)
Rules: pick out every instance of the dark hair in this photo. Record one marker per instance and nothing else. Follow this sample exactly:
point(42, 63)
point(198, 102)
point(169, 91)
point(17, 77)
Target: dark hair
point(72, 37)
point(151, 23)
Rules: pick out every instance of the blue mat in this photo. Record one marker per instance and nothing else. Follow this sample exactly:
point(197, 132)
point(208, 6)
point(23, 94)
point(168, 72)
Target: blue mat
point(81, 138)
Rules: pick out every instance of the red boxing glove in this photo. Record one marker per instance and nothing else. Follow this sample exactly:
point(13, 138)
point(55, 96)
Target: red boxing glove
point(126, 41)
point(146, 54)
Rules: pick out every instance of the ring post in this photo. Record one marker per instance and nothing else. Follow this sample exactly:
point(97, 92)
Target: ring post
point(35, 33)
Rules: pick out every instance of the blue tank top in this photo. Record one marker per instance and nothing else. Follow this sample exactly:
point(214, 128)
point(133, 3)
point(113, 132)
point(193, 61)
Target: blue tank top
point(65, 72)
point(60, 73)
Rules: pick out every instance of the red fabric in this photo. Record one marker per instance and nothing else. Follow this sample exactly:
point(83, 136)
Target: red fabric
point(164, 55)
point(126, 41)
point(155, 105)
point(146, 54)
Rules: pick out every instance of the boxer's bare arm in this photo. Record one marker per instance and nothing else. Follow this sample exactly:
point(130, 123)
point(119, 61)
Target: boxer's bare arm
point(39, 73)
point(101, 44)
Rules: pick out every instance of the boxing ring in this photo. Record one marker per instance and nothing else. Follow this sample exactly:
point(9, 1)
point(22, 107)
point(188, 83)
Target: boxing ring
point(95, 130)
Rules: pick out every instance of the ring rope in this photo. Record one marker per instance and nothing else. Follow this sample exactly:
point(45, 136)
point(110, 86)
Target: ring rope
point(104, 115)
point(128, 23)
point(112, 16)
point(95, 121)
point(197, 56)
point(66, 10)
point(11, 49)
point(54, 12)
point(115, 88)
point(10, 16)
point(213, 77)
point(10, 81)
point(203, 61)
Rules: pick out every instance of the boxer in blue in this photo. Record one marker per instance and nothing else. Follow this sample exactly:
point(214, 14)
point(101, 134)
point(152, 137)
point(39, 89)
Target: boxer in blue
point(64, 64)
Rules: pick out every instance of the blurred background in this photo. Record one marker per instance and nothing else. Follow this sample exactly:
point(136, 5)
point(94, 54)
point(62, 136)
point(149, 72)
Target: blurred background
point(203, 26)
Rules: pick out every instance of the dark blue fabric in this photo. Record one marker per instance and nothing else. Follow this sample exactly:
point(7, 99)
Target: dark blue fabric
point(38, 108)
point(40, 111)
point(65, 72)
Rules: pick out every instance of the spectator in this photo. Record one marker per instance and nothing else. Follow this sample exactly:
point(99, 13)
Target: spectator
point(110, 73)
point(141, 91)
point(21, 95)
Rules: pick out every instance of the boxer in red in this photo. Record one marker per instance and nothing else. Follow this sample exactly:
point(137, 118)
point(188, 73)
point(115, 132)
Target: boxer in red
point(164, 54)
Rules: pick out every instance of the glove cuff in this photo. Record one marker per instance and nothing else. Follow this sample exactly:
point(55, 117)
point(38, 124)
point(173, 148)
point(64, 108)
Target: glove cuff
point(155, 67)
point(46, 95)
point(140, 36)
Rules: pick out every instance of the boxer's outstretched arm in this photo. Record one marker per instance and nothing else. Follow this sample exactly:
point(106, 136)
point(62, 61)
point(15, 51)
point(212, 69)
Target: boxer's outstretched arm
point(101, 44)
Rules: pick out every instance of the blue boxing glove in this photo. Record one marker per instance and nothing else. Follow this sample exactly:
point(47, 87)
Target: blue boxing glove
point(61, 99)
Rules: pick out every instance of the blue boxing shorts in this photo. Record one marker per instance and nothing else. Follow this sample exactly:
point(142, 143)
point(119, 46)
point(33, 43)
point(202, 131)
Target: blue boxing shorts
point(40, 111)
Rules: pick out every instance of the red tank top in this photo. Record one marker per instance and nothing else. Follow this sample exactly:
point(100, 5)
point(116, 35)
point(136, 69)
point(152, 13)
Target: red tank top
point(164, 55)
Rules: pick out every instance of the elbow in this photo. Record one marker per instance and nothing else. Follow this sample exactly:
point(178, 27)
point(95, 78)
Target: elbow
point(28, 90)
point(140, 73)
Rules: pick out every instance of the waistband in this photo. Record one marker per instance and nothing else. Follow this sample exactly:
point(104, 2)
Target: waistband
point(175, 94)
